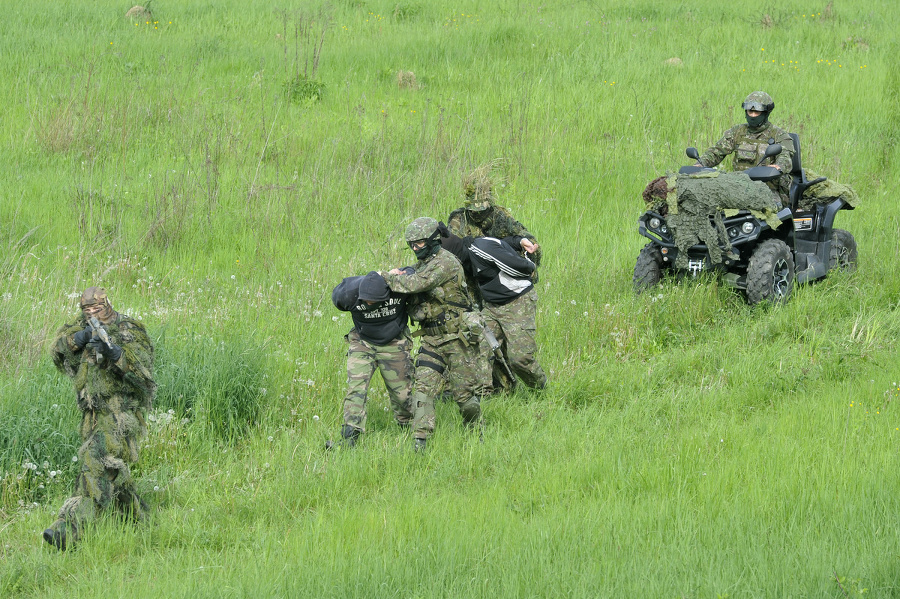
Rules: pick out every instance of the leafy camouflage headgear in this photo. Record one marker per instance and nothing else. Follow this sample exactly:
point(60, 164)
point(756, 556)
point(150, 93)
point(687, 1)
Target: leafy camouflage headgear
point(759, 101)
point(93, 296)
point(473, 205)
point(373, 288)
point(421, 228)
point(478, 189)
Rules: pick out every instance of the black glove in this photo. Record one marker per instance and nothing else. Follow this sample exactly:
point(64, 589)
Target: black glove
point(408, 270)
point(113, 352)
point(82, 337)
point(443, 230)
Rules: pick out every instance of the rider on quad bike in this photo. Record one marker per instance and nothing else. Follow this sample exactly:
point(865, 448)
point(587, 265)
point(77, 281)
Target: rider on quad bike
point(702, 219)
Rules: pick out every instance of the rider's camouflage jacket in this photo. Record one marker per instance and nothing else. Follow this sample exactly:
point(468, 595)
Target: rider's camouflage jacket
point(749, 146)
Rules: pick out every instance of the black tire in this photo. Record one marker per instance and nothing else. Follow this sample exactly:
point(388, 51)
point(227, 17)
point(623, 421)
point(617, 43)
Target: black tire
point(648, 268)
point(770, 275)
point(843, 251)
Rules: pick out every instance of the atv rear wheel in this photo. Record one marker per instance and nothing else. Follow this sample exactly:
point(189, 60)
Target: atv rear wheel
point(648, 268)
point(843, 251)
point(770, 275)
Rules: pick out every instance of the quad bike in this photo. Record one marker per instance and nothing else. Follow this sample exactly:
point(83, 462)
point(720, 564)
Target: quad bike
point(764, 262)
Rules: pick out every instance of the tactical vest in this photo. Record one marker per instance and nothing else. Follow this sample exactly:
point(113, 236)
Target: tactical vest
point(442, 307)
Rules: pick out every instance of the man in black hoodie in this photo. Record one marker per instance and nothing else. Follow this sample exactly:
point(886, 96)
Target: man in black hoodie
point(379, 340)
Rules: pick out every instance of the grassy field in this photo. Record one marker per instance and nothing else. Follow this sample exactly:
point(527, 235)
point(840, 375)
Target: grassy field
point(220, 166)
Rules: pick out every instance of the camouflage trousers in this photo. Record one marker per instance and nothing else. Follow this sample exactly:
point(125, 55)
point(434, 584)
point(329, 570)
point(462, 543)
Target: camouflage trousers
point(110, 445)
point(514, 324)
point(395, 364)
point(448, 361)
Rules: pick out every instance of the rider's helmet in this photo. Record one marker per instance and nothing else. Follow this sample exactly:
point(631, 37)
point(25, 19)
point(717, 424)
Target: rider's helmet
point(759, 101)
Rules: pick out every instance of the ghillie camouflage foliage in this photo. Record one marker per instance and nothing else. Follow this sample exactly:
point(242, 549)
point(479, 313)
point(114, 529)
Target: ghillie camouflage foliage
point(114, 398)
point(695, 204)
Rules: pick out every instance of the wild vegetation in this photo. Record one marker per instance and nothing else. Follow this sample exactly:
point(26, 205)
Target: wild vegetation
point(219, 167)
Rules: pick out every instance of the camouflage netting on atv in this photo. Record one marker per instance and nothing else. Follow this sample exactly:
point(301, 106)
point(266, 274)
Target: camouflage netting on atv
point(825, 192)
point(695, 205)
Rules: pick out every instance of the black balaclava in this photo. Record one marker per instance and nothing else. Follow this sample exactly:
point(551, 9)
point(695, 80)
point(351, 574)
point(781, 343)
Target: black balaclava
point(432, 245)
point(757, 122)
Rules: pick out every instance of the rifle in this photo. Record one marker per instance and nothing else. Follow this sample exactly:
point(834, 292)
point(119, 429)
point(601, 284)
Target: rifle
point(498, 353)
point(99, 332)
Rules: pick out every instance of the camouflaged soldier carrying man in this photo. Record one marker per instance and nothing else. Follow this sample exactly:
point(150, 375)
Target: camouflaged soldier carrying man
point(379, 340)
point(481, 217)
point(749, 141)
point(114, 388)
point(505, 280)
point(450, 331)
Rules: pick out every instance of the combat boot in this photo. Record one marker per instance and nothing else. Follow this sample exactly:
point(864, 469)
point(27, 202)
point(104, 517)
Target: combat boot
point(419, 446)
point(56, 535)
point(349, 437)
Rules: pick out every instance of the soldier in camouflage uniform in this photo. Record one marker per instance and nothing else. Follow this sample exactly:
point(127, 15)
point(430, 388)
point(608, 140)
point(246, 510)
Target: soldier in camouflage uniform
point(114, 388)
point(449, 328)
point(379, 340)
point(480, 217)
point(748, 142)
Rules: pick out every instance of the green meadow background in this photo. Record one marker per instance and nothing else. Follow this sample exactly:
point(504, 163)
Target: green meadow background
point(221, 165)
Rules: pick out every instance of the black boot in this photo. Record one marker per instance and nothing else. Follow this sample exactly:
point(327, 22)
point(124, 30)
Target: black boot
point(56, 537)
point(349, 436)
point(419, 446)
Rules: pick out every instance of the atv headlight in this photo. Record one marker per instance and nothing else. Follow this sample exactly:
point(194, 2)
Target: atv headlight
point(732, 232)
point(654, 223)
point(747, 227)
point(664, 229)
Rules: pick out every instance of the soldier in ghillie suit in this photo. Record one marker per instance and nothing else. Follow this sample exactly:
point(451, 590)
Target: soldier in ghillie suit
point(505, 280)
point(694, 206)
point(480, 217)
point(114, 387)
point(379, 340)
point(748, 142)
point(449, 327)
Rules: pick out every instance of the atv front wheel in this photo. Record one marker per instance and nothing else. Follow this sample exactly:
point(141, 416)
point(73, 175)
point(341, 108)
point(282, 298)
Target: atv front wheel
point(843, 251)
point(770, 275)
point(648, 268)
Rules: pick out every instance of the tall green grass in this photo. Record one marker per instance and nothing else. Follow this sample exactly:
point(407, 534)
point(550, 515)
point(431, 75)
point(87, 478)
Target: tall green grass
point(689, 445)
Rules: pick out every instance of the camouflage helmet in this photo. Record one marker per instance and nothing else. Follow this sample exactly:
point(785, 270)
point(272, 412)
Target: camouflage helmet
point(422, 228)
point(759, 101)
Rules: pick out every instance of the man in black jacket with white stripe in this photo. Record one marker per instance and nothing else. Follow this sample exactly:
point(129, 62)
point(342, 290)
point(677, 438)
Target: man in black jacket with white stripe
point(504, 278)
